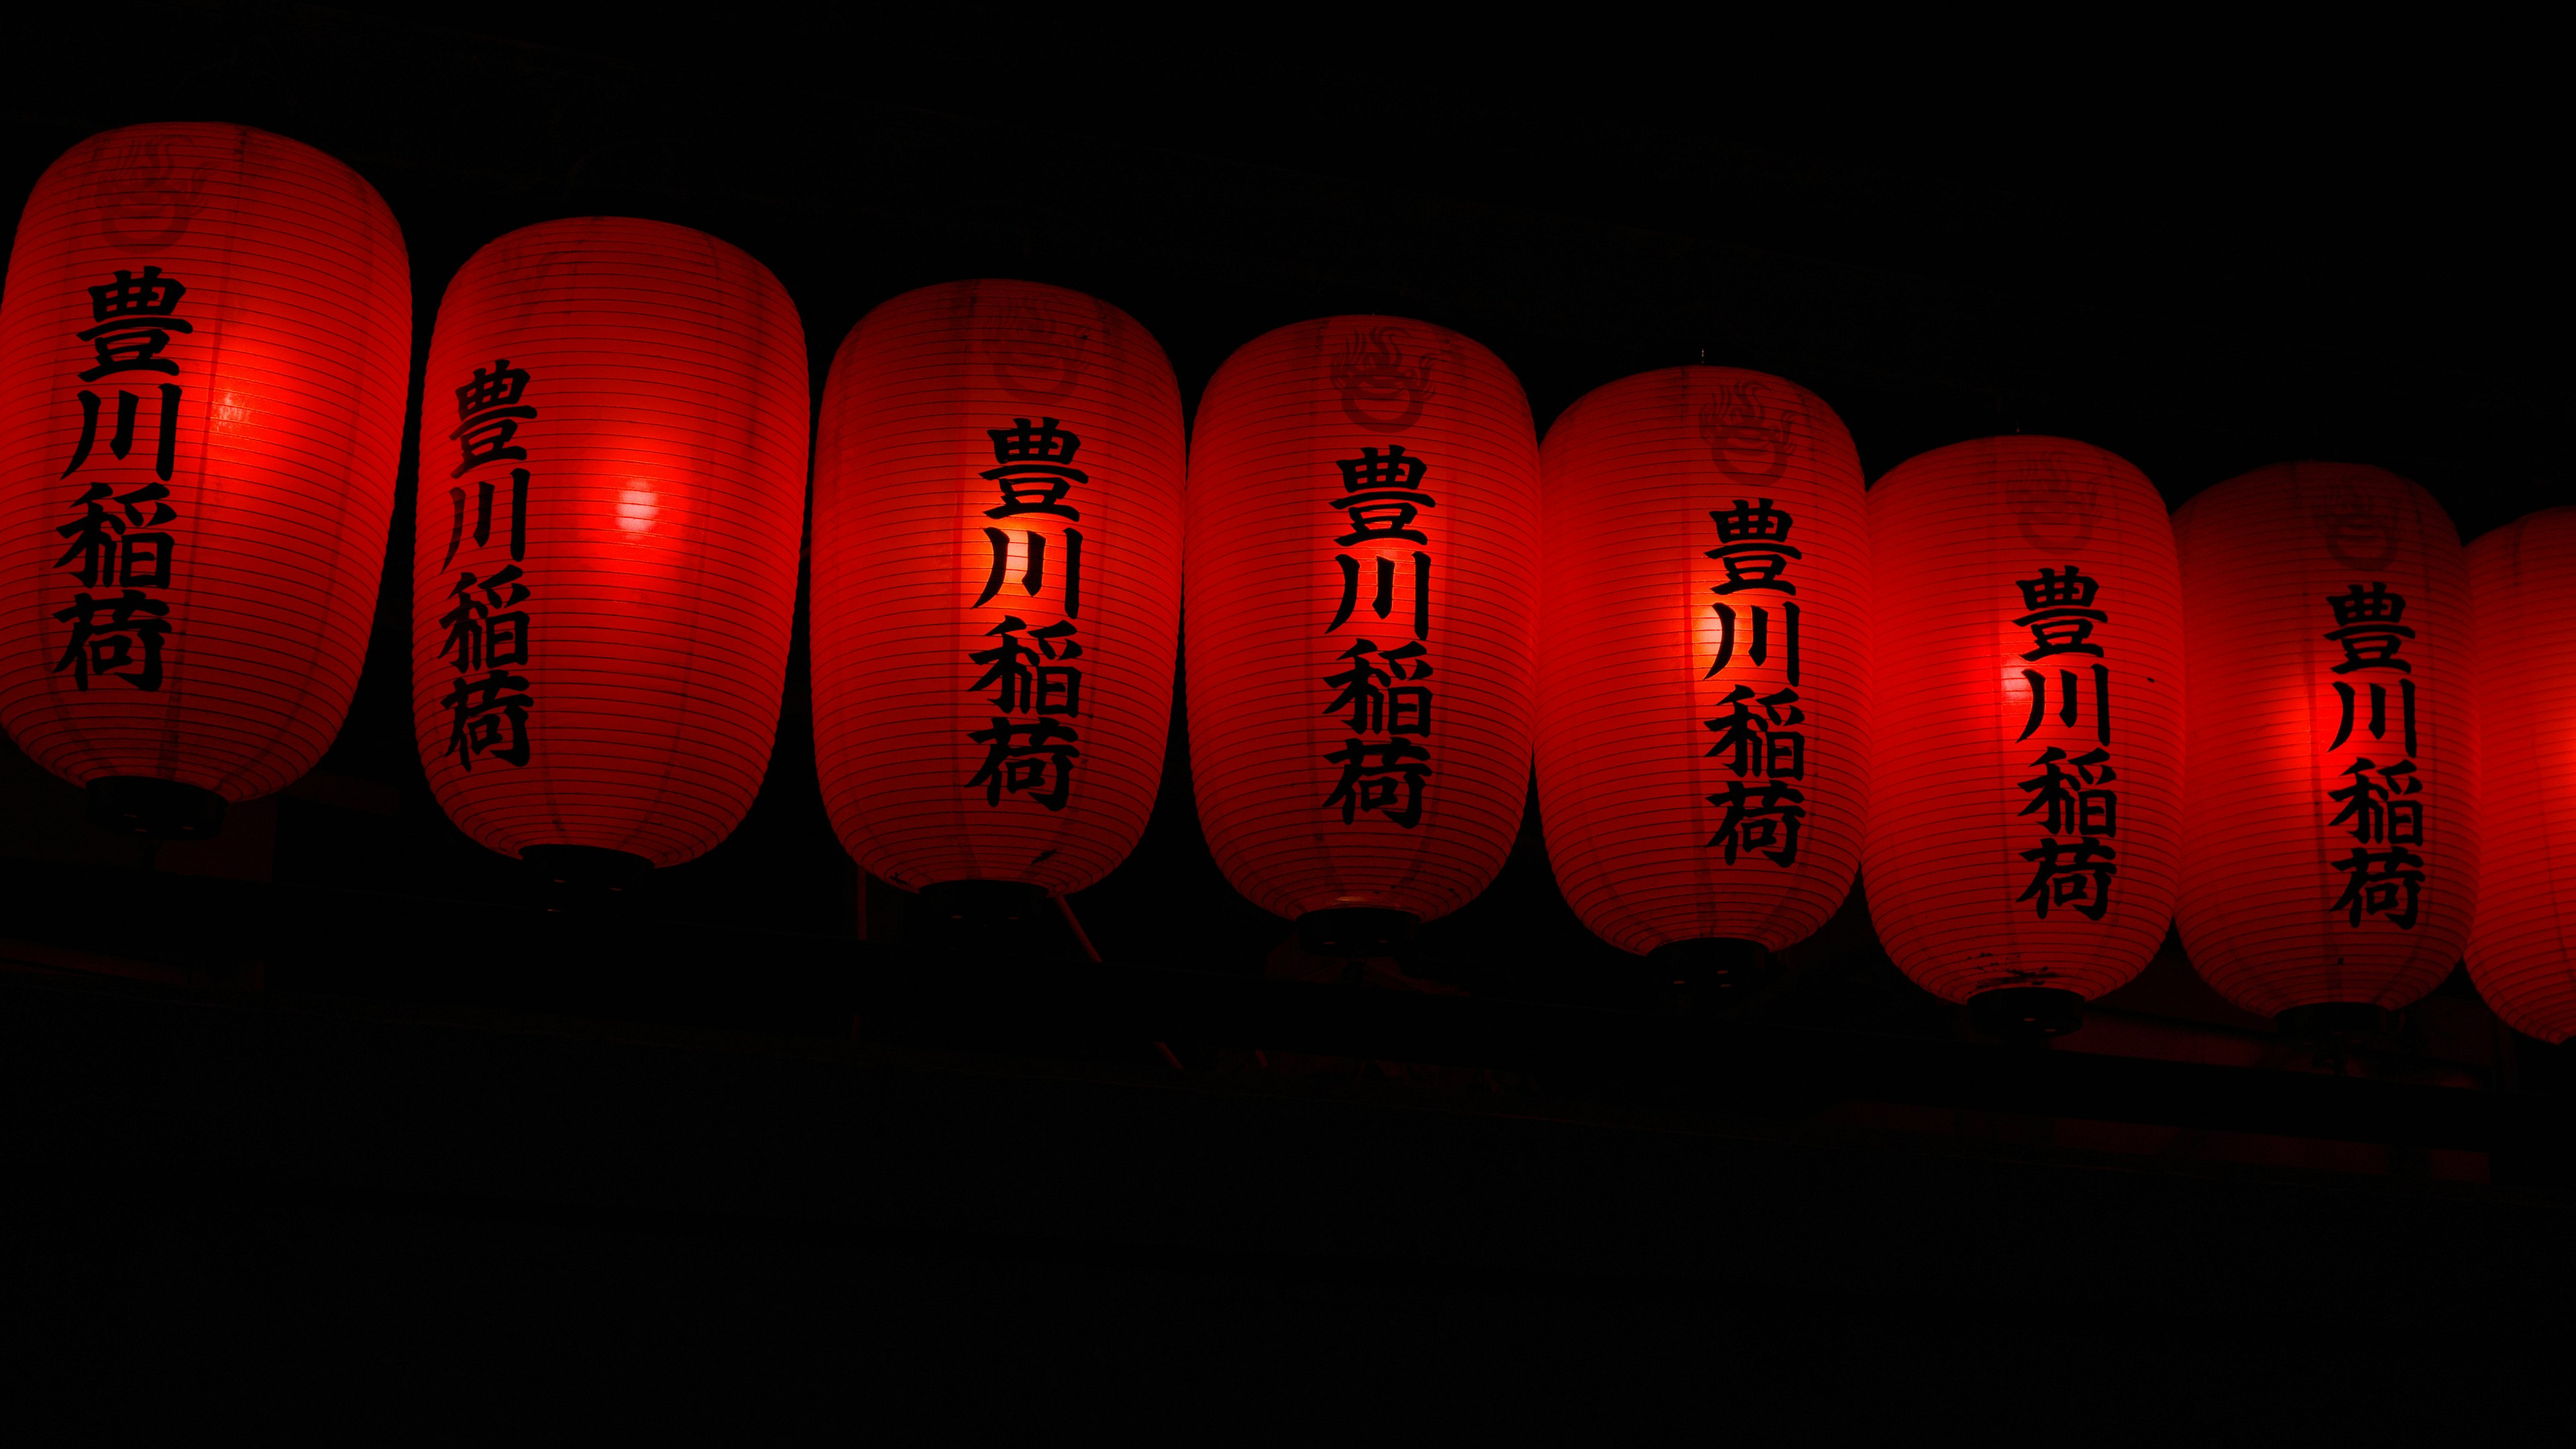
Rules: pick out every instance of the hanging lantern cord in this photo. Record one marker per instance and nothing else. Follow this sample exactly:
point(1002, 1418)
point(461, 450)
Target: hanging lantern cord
point(1709, 972)
point(2025, 1015)
point(2336, 1031)
point(582, 877)
point(154, 809)
point(992, 920)
point(1081, 937)
point(1355, 934)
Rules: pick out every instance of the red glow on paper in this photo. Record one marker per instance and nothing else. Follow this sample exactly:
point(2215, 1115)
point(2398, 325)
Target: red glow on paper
point(282, 297)
point(998, 475)
point(1653, 614)
point(1296, 577)
point(2278, 563)
point(2028, 616)
point(2523, 580)
point(665, 444)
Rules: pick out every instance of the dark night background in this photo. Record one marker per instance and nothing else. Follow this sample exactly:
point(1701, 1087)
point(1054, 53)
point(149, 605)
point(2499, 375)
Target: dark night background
point(2308, 247)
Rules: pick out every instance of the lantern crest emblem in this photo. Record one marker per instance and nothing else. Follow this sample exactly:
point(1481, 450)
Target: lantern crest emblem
point(1380, 391)
point(152, 189)
point(2360, 532)
point(1747, 432)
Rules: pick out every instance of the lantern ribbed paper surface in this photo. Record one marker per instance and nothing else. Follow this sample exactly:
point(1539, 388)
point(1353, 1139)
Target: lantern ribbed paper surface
point(1363, 562)
point(2026, 719)
point(2522, 578)
point(997, 580)
point(612, 486)
point(2334, 834)
point(1702, 682)
point(2523, 945)
point(203, 349)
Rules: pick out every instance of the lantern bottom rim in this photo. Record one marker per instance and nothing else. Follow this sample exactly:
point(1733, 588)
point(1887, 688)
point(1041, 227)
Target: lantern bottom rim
point(2338, 1023)
point(1356, 933)
point(586, 869)
point(993, 919)
point(965, 900)
point(1709, 968)
point(161, 809)
point(2026, 1015)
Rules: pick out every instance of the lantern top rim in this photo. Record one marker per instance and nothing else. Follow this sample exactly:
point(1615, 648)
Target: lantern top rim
point(238, 131)
point(2290, 472)
point(1366, 320)
point(1119, 317)
point(2325, 468)
point(2010, 444)
point(201, 128)
point(599, 226)
point(1687, 375)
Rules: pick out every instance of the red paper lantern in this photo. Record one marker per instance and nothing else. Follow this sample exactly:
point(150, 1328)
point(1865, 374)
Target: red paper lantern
point(997, 582)
point(1703, 664)
point(2522, 578)
point(1363, 561)
point(204, 345)
point(2025, 831)
point(612, 486)
point(2334, 844)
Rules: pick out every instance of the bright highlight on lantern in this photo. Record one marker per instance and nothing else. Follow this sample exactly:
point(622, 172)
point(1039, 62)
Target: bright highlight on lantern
point(2026, 726)
point(996, 586)
point(203, 345)
point(637, 507)
point(599, 651)
point(2522, 954)
point(1702, 694)
point(1363, 537)
point(2336, 868)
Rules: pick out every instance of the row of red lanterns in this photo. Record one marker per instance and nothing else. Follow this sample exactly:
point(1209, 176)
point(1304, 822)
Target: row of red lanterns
point(1740, 674)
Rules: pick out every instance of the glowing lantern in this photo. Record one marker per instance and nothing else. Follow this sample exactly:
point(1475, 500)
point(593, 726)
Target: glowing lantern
point(612, 486)
point(1702, 681)
point(2522, 578)
point(2334, 837)
point(204, 345)
point(997, 529)
point(2025, 826)
point(1363, 561)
